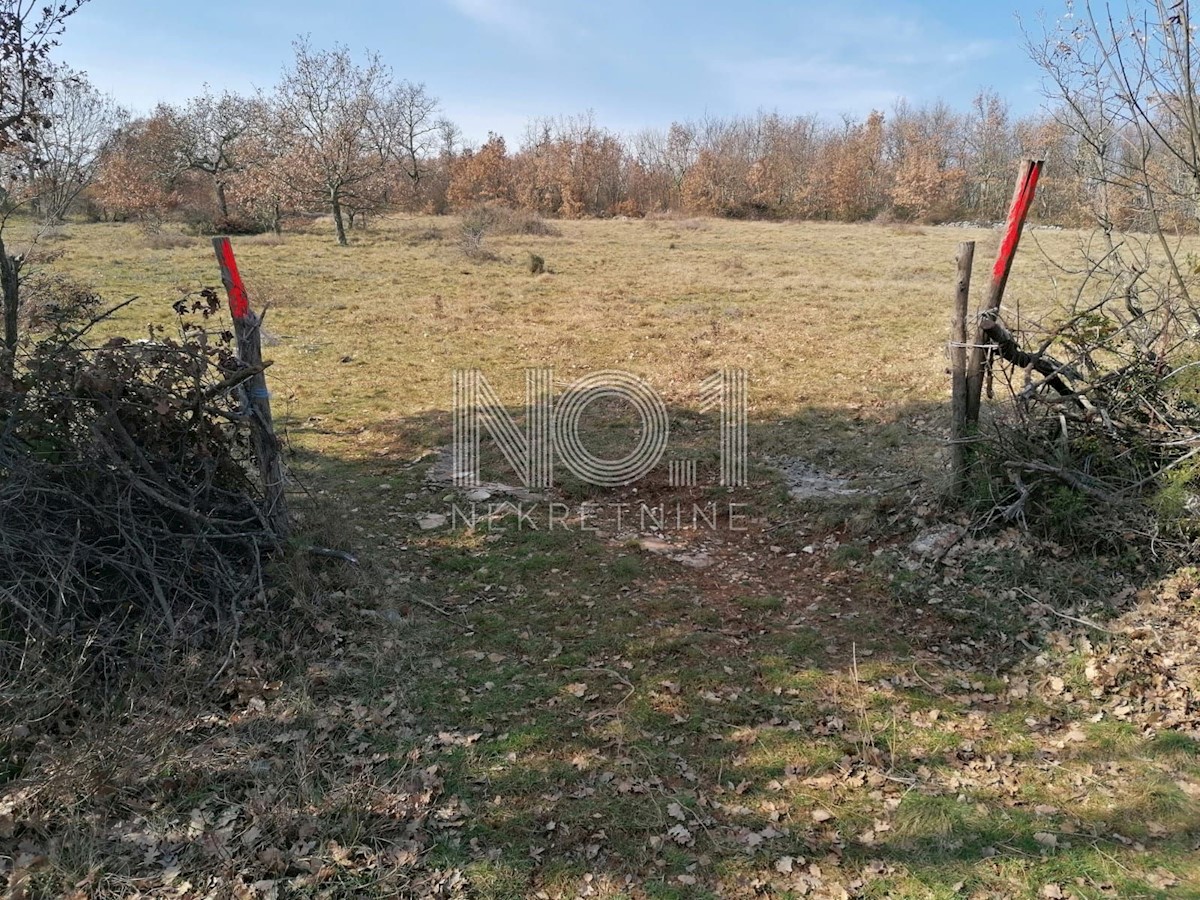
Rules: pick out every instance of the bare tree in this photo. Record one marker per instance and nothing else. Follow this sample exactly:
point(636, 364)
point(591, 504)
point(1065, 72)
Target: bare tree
point(331, 120)
point(28, 32)
point(65, 155)
point(990, 153)
point(408, 128)
point(210, 129)
point(1125, 80)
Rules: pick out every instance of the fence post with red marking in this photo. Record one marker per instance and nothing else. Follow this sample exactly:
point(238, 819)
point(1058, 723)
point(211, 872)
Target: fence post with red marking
point(1022, 199)
point(247, 332)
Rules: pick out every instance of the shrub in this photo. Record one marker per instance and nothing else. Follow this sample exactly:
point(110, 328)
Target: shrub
point(522, 222)
point(424, 236)
point(202, 225)
point(485, 219)
point(476, 223)
point(169, 240)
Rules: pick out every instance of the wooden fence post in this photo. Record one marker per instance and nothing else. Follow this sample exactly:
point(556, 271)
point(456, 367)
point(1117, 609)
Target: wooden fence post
point(959, 429)
point(247, 332)
point(1022, 199)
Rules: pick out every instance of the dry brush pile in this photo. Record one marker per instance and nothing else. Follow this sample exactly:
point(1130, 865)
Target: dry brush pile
point(130, 523)
point(1099, 439)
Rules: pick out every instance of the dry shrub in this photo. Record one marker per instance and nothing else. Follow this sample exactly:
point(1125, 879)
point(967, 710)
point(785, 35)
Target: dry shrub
point(496, 218)
point(131, 525)
point(270, 293)
point(169, 240)
point(886, 216)
point(527, 223)
point(419, 236)
point(47, 296)
point(476, 224)
point(267, 239)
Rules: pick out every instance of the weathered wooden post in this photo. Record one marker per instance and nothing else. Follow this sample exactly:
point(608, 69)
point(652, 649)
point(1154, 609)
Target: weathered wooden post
point(1022, 199)
point(959, 429)
point(247, 332)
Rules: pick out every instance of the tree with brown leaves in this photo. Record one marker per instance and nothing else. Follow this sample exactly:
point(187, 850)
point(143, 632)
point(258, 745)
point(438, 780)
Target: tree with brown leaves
point(210, 129)
point(333, 128)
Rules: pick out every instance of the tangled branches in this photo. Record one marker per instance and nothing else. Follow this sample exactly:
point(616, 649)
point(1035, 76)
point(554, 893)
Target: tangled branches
point(1111, 420)
point(129, 518)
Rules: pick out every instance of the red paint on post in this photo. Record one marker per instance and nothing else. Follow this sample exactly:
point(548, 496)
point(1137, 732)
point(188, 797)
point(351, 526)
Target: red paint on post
point(1022, 200)
point(239, 303)
point(1027, 180)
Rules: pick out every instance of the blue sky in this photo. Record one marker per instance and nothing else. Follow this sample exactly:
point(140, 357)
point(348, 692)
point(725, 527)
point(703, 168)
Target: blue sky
point(496, 63)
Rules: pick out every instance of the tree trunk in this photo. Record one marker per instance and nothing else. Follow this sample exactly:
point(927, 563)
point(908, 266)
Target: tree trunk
point(338, 222)
point(222, 202)
point(10, 289)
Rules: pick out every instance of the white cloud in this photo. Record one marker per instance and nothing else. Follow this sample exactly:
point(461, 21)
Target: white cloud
point(477, 120)
point(852, 64)
point(805, 85)
point(972, 51)
point(509, 17)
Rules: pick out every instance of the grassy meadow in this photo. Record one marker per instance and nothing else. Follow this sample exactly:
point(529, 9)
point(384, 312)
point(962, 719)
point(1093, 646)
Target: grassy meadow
point(512, 712)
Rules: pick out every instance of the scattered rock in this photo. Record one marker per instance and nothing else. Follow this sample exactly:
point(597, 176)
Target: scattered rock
point(806, 482)
point(935, 540)
point(430, 521)
point(655, 545)
point(442, 474)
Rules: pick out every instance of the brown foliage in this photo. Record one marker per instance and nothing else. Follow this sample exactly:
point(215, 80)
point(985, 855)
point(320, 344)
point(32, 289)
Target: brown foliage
point(143, 174)
point(483, 176)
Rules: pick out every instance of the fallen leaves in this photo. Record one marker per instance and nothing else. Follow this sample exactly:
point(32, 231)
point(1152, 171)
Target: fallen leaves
point(1046, 839)
point(681, 835)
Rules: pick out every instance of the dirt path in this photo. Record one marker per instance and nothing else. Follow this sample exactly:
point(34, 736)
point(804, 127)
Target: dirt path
point(703, 713)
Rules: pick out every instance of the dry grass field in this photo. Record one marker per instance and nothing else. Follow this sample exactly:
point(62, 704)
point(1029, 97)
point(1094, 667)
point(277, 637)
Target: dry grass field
point(513, 712)
point(829, 320)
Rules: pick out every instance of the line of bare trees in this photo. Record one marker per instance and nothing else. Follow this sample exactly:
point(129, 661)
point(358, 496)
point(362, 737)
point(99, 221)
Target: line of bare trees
point(343, 136)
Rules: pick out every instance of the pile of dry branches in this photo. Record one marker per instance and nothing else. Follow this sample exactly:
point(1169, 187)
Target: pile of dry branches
point(1101, 437)
point(129, 521)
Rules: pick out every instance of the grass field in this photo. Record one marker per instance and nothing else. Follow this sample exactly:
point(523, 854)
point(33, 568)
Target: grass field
point(519, 712)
